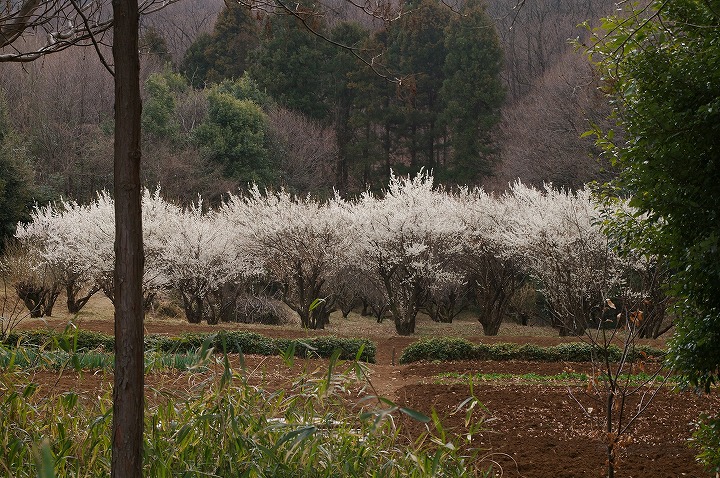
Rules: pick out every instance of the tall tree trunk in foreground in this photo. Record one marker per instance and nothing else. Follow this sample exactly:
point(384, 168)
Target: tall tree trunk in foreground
point(129, 259)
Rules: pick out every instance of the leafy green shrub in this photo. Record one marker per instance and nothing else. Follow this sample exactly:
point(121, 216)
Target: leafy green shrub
point(325, 346)
point(504, 352)
point(249, 343)
point(87, 340)
point(460, 349)
point(75, 339)
point(574, 352)
point(536, 353)
point(245, 342)
point(706, 439)
point(30, 337)
point(443, 348)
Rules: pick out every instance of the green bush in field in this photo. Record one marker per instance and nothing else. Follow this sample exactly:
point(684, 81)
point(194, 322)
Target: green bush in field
point(249, 343)
point(226, 428)
point(77, 339)
point(445, 348)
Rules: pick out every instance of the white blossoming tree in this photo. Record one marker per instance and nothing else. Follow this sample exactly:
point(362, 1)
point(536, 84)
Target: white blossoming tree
point(301, 243)
point(413, 248)
point(558, 241)
point(407, 242)
point(75, 241)
point(491, 266)
point(70, 239)
point(35, 283)
point(206, 261)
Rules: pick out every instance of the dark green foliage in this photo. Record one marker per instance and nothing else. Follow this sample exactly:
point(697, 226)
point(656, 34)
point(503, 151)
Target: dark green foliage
point(706, 439)
point(77, 340)
point(460, 349)
point(472, 92)
point(325, 346)
point(416, 54)
point(223, 342)
point(152, 42)
point(444, 348)
point(664, 77)
point(245, 88)
point(248, 343)
point(234, 135)
point(195, 64)
point(439, 349)
point(431, 99)
point(158, 115)
point(16, 178)
point(345, 98)
point(223, 54)
point(291, 63)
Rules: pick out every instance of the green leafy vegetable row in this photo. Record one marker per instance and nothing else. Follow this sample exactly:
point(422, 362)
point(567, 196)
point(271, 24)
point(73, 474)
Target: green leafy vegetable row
point(223, 341)
point(460, 349)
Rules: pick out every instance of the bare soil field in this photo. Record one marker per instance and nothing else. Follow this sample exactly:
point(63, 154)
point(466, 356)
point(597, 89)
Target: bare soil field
point(530, 429)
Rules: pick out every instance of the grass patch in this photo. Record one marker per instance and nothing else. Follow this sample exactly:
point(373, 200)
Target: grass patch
point(563, 378)
point(559, 379)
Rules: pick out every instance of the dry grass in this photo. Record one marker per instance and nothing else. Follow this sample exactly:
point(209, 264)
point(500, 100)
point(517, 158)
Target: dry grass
point(99, 308)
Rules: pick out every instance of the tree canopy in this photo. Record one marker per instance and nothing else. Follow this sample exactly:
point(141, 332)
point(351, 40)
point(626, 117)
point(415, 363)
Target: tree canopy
point(430, 99)
point(16, 177)
point(223, 54)
point(662, 67)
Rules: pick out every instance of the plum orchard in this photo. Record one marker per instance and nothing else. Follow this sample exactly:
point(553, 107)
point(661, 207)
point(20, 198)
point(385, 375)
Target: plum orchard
point(414, 248)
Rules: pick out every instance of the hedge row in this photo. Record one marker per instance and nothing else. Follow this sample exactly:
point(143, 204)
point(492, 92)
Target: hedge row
point(223, 341)
point(444, 349)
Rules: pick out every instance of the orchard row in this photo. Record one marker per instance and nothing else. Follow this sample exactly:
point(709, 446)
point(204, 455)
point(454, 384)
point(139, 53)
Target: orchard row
point(414, 248)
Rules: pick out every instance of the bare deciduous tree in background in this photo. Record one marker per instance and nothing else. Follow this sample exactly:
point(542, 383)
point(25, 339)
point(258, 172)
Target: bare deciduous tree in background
point(30, 29)
point(309, 151)
point(182, 22)
point(541, 131)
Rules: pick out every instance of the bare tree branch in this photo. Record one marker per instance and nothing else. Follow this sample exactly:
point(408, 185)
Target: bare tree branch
point(63, 23)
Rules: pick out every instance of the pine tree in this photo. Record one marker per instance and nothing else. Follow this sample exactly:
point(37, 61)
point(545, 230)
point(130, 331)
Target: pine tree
point(472, 92)
point(344, 97)
point(291, 62)
point(16, 177)
point(416, 49)
point(224, 53)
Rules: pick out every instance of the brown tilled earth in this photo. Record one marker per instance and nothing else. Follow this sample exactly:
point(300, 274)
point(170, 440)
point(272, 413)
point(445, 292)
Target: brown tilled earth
point(529, 429)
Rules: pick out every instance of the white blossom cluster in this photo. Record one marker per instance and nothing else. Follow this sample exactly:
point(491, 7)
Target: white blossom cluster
point(414, 247)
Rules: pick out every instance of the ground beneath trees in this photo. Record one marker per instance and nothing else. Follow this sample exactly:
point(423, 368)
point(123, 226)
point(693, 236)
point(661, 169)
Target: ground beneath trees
point(530, 429)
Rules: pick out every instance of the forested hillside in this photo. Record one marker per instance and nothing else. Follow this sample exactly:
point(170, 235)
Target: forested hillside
point(330, 97)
